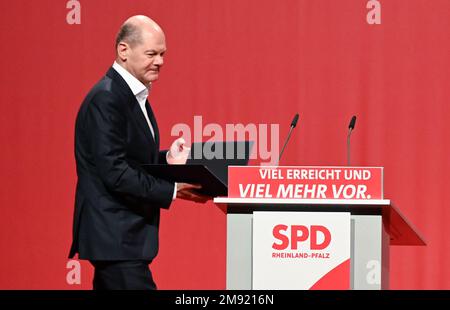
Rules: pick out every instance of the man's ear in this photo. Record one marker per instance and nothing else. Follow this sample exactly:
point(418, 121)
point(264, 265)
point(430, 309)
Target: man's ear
point(122, 51)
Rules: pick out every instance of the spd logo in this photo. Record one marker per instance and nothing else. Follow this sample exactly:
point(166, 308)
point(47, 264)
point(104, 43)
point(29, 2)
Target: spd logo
point(319, 236)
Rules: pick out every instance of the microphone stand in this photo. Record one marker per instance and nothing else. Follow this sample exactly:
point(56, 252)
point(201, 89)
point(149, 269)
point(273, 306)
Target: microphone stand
point(348, 145)
point(351, 126)
point(285, 143)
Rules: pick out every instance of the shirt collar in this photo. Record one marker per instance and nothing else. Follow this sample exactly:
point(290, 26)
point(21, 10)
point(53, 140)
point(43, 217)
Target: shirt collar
point(136, 86)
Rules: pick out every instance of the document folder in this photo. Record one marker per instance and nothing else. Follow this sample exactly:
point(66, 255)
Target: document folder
point(194, 174)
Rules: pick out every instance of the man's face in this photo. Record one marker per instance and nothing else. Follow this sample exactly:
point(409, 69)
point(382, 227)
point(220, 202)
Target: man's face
point(145, 59)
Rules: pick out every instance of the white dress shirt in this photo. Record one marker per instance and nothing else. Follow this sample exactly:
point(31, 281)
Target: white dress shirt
point(140, 91)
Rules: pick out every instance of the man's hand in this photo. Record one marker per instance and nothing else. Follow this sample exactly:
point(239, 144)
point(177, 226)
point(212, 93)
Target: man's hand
point(178, 152)
point(188, 192)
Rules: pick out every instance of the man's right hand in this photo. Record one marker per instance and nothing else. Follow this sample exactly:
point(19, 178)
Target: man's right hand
point(178, 152)
point(190, 192)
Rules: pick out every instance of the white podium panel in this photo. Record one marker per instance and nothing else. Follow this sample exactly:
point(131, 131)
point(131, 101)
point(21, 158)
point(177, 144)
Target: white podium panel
point(301, 250)
point(374, 226)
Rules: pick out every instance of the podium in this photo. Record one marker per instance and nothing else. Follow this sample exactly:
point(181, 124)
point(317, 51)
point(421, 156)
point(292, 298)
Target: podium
point(376, 224)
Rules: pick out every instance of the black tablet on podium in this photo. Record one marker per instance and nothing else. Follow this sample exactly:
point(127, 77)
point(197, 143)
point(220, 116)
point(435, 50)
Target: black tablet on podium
point(207, 165)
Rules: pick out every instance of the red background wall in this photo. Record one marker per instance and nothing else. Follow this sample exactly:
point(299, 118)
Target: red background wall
point(234, 61)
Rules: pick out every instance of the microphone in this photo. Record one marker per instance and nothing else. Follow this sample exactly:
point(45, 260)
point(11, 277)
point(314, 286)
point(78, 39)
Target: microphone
point(293, 124)
point(351, 126)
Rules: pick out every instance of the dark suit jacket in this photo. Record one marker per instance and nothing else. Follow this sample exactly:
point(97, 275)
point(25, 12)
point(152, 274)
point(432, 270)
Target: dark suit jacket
point(117, 204)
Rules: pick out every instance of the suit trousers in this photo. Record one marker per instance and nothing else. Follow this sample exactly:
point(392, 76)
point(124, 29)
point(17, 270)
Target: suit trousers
point(123, 275)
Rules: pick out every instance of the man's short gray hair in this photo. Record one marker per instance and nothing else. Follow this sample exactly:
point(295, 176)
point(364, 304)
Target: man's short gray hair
point(130, 34)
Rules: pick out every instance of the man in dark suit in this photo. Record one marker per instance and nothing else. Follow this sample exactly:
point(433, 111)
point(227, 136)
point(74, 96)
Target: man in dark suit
point(117, 204)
